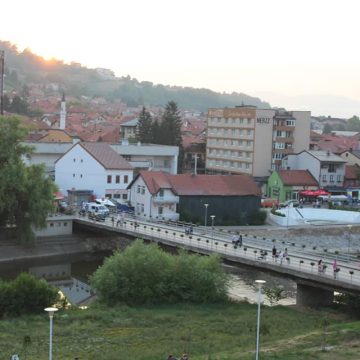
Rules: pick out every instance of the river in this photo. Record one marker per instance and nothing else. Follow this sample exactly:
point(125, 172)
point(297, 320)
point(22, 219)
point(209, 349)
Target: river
point(72, 278)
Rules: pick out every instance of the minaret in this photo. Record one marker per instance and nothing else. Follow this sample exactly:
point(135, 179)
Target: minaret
point(62, 113)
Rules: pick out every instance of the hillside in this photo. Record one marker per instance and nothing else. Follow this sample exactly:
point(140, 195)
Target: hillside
point(25, 68)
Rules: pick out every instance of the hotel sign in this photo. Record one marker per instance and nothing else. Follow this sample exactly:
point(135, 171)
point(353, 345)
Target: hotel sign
point(263, 120)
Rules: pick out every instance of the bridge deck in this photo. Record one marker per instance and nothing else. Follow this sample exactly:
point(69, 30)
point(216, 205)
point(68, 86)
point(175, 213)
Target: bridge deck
point(301, 266)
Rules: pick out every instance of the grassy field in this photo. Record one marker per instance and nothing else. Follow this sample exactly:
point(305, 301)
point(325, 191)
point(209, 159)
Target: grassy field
point(205, 331)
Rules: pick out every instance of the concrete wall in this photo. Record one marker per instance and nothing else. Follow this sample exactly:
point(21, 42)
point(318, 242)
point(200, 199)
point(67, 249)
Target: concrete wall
point(55, 226)
point(302, 130)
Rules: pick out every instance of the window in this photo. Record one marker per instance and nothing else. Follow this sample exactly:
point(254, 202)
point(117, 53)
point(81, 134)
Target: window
point(290, 122)
point(74, 160)
point(116, 196)
point(80, 175)
point(143, 189)
point(73, 175)
point(278, 133)
point(124, 196)
point(324, 178)
point(117, 179)
point(81, 160)
point(65, 223)
point(160, 211)
point(109, 179)
point(126, 179)
point(161, 193)
point(331, 168)
point(338, 178)
point(138, 189)
point(249, 121)
point(331, 178)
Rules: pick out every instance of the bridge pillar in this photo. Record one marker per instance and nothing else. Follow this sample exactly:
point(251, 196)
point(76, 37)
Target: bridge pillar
point(312, 296)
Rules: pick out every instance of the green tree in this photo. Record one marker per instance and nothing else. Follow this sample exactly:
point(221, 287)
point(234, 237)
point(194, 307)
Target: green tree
point(353, 124)
point(171, 125)
point(26, 196)
point(19, 106)
point(327, 129)
point(145, 274)
point(144, 133)
point(156, 132)
point(171, 129)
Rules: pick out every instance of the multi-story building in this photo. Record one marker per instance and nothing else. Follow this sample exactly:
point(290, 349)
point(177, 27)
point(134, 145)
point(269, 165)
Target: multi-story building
point(253, 141)
point(327, 168)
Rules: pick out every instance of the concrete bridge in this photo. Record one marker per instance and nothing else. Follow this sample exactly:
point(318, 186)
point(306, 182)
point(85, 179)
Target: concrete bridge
point(314, 288)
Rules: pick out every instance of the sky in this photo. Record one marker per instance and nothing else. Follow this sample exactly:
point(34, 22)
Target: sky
point(298, 54)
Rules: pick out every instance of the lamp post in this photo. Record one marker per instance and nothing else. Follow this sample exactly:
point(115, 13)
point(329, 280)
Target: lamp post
point(50, 311)
point(259, 284)
point(212, 230)
point(205, 222)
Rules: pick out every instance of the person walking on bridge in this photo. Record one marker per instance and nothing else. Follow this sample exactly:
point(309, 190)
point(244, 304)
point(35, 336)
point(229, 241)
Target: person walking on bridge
point(274, 253)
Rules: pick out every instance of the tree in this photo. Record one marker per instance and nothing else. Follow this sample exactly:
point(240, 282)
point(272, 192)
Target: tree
point(26, 196)
point(353, 124)
point(327, 129)
point(19, 106)
point(171, 129)
point(155, 132)
point(171, 125)
point(145, 274)
point(144, 133)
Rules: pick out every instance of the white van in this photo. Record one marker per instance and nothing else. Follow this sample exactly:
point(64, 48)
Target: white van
point(96, 209)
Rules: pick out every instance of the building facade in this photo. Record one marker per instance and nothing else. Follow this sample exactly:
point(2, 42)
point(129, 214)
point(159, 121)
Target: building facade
point(328, 169)
point(253, 141)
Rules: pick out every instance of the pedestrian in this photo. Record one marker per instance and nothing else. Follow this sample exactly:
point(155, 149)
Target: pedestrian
point(240, 240)
point(320, 266)
point(112, 220)
point(280, 256)
point(286, 255)
point(233, 239)
point(273, 251)
point(335, 268)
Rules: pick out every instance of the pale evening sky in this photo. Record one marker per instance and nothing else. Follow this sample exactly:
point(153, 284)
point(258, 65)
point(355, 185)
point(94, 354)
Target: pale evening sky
point(301, 54)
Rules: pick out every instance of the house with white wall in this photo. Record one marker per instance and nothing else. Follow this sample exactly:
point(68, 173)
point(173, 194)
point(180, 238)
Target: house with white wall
point(327, 168)
point(156, 194)
point(94, 166)
point(152, 196)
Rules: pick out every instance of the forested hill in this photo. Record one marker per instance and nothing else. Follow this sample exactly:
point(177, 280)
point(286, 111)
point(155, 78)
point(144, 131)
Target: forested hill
point(25, 68)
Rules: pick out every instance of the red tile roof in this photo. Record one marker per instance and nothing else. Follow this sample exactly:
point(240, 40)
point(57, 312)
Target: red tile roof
point(106, 156)
point(201, 185)
point(297, 177)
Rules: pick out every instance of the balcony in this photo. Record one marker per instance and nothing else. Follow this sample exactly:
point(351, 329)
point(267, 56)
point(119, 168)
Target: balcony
point(168, 199)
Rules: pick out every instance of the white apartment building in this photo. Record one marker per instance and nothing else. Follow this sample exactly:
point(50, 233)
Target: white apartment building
point(253, 141)
point(327, 168)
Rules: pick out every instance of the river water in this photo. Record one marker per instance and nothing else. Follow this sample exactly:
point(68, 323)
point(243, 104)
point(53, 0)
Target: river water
point(72, 278)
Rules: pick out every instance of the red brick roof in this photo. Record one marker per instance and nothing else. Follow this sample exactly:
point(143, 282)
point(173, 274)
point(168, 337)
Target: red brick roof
point(297, 177)
point(201, 185)
point(106, 156)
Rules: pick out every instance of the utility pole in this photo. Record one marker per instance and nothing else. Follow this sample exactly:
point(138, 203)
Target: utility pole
point(2, 66)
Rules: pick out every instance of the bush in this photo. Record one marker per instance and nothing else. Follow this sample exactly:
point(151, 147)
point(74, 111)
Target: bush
point(26, 295)
point(145, 274)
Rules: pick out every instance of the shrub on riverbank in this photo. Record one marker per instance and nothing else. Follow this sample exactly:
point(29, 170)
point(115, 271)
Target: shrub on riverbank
point(145, 274)
point(26, 295)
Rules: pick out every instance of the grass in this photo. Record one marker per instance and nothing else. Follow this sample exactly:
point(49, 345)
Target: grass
point(216, 332)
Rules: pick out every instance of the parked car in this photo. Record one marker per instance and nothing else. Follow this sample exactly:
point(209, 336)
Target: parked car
point(269, 203)
point(294, 203)
point(96, 217)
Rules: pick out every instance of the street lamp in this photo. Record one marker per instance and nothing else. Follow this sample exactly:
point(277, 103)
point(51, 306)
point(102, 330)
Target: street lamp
point(212, 230)
point(50, 311)
point(205, 222)
point(259, 284)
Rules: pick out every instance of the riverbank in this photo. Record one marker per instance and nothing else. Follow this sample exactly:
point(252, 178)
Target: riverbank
point(223, 331)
